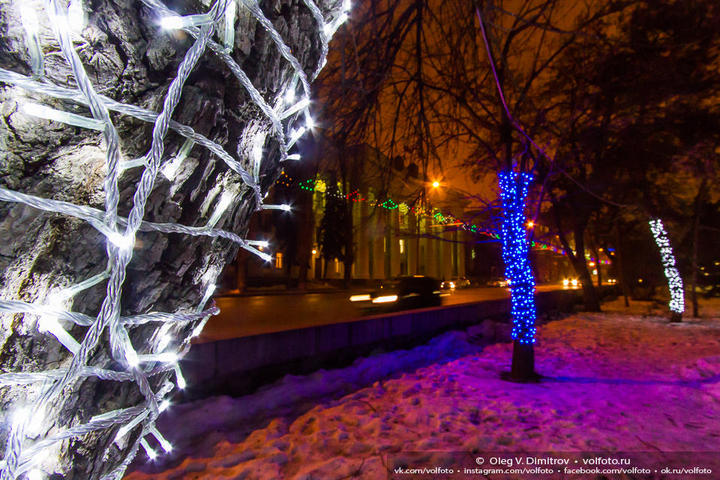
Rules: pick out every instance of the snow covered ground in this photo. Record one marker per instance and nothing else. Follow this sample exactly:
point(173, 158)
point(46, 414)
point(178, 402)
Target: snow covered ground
point(622, 381)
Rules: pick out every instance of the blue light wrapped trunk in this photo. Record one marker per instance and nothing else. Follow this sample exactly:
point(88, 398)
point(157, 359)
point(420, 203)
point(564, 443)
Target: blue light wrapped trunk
point(513, 191)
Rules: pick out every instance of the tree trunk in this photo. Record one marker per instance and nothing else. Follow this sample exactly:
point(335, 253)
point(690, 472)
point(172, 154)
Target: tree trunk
point(523, 360)
point(699, 202)
point(597, 266)
point(694, 266)
point(305, 226)
point(417, 244)
point(667, 256)
point(347, 272)
point(130, 60)
point(523, 363)
point(349, 250)
point(305, 229)
point(619, 267)
point(590, 296)
point(518, 271)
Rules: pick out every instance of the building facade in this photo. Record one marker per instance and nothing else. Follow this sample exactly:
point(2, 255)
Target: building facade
point(395, 230)
point(391, 242)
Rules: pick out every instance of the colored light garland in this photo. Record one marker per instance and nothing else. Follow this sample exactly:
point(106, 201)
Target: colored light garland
point(27, 444)
point(389, 204)
point(513, 191)
point(675, 284)
point(318, 185)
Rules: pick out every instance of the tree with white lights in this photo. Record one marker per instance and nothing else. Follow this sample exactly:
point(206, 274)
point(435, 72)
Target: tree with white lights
point(137, 143)
point(638, 143)
point(675, 283)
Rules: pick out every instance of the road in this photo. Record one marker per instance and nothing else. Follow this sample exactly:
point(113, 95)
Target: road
point(253, 315)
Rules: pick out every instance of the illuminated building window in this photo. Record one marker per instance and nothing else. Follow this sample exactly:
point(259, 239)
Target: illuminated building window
point(337, 266)
point(402, 246)
point(278, 260)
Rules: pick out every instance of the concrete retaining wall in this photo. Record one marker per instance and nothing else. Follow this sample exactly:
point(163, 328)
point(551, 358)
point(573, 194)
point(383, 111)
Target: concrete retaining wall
point(238, 365)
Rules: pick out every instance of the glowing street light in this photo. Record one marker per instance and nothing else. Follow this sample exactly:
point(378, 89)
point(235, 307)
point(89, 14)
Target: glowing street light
point(436, 184)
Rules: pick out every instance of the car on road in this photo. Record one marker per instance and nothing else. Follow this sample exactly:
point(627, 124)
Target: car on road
point(455, 282)
point(499, 282)
point(417, 291)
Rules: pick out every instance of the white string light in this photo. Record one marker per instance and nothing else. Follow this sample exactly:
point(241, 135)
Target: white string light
point(226, 199)
point(152, 454)
point(169, 170)
point(166, 446)
point(165, 357)
point(309, 122)
point(301, 105)
point(258, 142)
point(128, 427)
point(23, 451)
point(176, 22)
point(164, 337)
point(259, 243)
point(229, 36)
point(76, 16)
point(51, 325)
point(134, 163)
point(35, 475)
point(675, 284)
point(29, 19)
point(47, 113)
point(296, 135)
point(290, 93)
point(179, 379)
point(121, 241)
point(164, 405)
point(284, 207)
point(30, 24)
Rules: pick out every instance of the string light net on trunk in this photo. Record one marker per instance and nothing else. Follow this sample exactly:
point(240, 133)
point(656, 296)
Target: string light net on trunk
point(675, 284)
point(31, 443)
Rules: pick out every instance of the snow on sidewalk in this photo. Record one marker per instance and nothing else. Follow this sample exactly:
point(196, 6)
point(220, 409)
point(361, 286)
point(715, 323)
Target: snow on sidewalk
point(614, 382)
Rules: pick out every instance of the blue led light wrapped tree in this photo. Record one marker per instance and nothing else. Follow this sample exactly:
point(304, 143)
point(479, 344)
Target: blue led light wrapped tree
point(513, 191)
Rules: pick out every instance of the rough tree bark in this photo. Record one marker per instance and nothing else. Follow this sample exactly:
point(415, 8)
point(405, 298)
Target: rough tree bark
point(130, 61)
